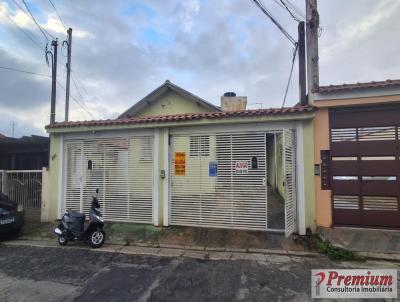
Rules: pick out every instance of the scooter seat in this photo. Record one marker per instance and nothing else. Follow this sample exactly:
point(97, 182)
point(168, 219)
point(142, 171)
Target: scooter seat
point(76, 215)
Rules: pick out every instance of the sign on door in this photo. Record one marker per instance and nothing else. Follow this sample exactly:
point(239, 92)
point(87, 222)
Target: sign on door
point(242, 167)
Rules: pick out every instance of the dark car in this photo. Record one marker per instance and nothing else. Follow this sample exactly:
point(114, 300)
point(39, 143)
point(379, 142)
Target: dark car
point(11, 216)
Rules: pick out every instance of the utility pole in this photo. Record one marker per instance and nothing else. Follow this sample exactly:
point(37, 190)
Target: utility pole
point(302, 64)
point(68, 65)
point(13, 129)
point(312, 26)
point(53, 55)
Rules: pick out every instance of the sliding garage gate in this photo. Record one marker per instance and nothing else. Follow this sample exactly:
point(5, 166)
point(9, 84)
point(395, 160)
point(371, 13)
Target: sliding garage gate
point(219, 180)
point(121, 168)
point(365, 166)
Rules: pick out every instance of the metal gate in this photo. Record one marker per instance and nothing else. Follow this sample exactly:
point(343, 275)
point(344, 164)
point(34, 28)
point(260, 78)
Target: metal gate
point(219, 180)
point(290, 181)
point(365, 166)
point(25, 188)
point(122, 168)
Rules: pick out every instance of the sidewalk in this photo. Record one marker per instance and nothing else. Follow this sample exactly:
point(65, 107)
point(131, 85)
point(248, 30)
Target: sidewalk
point(370, 243)
point(189, 239)
point(174, 252)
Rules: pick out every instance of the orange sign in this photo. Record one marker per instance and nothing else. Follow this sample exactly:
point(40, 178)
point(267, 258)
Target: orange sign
point(180, 163)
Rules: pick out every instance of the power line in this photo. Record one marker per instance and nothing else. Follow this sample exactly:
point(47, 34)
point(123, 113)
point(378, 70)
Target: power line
point(280, 27)
point(298, 11)
point(76, 101)
point(48, 76)
point(278, 3)
point(58, 15)
point(290, 74)
point(22, 30)
point(290, 12)
point(79, 93)
point(25, 71)
point(79, 82)
point(42, 30)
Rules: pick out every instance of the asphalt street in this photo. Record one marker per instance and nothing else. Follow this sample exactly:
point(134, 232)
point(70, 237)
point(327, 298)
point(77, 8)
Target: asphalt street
point(68, 274)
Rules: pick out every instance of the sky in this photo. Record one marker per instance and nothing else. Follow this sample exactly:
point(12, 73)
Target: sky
point(122, 50)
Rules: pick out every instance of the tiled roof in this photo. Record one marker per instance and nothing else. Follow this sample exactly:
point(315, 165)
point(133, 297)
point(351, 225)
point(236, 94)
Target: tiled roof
point(347, 87)
point(185, 117)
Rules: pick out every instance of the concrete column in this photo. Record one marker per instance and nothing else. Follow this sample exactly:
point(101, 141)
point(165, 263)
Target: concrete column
point(45, 206)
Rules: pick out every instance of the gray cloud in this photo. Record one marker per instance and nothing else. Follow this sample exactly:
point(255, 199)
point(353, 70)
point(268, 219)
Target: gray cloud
point(207, 47)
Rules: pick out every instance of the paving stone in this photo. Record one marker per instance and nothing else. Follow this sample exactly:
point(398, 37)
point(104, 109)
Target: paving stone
point(194, 247)
point(268, 251)
point(171, 246)
point(169, 252)
point(220, 255)
point(216, 249)
point(137, 250)
point(236, 250)
point(248, 256)
point(196, 254)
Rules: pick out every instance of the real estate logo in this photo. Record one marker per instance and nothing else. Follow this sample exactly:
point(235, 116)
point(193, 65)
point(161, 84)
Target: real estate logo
point(354, 283)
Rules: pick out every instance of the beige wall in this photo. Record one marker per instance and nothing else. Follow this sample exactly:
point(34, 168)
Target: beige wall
point(54, 177)
point(321, 142)
point(171, 103)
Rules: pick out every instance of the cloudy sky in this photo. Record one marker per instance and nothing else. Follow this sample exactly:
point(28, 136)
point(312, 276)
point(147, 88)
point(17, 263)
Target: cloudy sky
point(124, 49)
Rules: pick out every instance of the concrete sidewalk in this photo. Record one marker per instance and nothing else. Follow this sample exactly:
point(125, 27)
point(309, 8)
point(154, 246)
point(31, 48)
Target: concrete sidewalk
point(187, 238)
point(371, 243)
point(171, 251)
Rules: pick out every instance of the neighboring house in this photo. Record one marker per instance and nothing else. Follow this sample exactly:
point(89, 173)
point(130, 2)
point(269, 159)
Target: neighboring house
point(175, 159)
point(25, 153)
point(357, 144)
point(22, 160)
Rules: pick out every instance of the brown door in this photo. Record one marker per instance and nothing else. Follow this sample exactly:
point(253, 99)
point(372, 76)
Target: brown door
point(365, 166)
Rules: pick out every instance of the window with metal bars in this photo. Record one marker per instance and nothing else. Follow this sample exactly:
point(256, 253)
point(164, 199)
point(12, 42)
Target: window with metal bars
point(199, 146)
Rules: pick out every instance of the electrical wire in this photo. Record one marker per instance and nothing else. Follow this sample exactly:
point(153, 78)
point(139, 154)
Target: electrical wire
point(278, 3)
point(25, 71)
point(290, 12)
point(280, 27)
point(290, 75)
point(22, 30)
point(49, 77)
point(58, 15)
point(297, 10)
point(79, 82)
point(79, 93)
point(42, 30)
point(77, 102)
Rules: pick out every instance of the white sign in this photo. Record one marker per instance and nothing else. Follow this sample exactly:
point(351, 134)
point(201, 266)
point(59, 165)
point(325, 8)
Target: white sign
point(354, 283)
point(242, 167)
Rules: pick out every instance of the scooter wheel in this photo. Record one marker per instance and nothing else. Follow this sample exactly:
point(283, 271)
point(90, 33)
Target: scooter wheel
point(96, 239)
point(62, 240)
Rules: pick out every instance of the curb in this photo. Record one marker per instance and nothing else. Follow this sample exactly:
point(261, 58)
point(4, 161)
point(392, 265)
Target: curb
point(379, 256)
point(170, 250)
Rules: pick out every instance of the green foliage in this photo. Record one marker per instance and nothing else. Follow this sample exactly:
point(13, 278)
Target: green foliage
point(334, 253)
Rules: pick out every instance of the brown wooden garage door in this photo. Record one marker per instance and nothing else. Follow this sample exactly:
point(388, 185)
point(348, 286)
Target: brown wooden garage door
point(365, 166)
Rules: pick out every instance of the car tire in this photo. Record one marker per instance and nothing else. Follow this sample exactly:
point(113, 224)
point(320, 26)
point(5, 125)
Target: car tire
point(62, 240)
point(15, 233)
point(97, 238)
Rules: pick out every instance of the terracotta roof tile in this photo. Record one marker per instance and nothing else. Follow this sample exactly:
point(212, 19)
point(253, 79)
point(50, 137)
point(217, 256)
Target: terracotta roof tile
point(184, 117)
point(347, 87)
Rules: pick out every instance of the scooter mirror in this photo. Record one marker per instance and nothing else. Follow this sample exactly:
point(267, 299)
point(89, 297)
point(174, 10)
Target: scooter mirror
point(97, 191)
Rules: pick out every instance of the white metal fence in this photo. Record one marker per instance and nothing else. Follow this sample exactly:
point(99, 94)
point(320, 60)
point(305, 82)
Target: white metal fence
point(23, 186)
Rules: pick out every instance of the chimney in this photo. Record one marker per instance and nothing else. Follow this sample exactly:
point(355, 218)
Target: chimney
point(231, 102)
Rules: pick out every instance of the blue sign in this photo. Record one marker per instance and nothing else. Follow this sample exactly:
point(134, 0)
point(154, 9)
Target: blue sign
point(213, 169)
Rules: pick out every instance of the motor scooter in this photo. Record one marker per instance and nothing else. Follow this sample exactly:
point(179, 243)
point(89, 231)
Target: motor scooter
point(72, 226)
